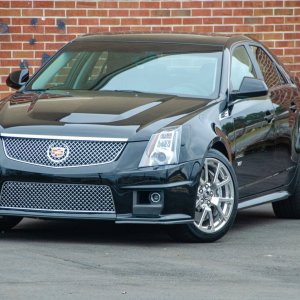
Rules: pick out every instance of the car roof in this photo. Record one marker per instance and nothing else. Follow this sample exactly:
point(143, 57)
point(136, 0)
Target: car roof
point(219, 41)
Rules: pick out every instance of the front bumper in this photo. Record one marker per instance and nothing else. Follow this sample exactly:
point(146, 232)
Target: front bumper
point(131, 190)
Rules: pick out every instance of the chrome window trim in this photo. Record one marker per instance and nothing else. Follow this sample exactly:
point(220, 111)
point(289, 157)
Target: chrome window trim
point(62, 137)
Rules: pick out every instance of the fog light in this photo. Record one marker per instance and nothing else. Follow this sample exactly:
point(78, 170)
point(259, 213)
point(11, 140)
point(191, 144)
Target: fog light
point(155, 197)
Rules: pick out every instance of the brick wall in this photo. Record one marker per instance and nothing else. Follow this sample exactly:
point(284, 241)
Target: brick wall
point(30, 31)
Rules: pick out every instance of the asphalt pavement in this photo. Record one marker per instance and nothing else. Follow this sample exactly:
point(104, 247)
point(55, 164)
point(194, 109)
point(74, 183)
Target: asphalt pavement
point(258, 259)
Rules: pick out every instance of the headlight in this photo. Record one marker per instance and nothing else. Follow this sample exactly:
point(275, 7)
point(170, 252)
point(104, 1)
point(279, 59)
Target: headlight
point(163, 148)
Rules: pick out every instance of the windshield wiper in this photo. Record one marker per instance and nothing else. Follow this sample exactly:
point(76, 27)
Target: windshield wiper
point(123, 91)
point(37, 90)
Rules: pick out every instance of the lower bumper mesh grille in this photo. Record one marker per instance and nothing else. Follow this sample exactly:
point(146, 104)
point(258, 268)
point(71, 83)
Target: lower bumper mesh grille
point(56, 197)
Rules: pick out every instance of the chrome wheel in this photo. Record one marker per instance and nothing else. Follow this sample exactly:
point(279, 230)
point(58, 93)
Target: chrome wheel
point(215, 197)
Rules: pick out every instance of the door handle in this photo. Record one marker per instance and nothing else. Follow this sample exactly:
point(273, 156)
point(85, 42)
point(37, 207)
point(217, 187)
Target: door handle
point(269, 116)
point(293, 107)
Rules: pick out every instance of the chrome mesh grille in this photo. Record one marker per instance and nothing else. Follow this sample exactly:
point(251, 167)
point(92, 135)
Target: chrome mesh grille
point(79, 152)
point(56, 197)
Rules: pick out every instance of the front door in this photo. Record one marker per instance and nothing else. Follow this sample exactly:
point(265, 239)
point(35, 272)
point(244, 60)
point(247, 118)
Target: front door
point(285, 100)
point(254, 130)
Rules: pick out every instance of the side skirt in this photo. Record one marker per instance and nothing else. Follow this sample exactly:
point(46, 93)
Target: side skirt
point(264, 199)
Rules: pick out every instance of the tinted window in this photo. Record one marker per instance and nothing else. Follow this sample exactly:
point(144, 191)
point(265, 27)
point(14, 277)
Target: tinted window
point(192, 74)
point(61, 70)
point(271, 75)
point(241, 66)
point(133, 67)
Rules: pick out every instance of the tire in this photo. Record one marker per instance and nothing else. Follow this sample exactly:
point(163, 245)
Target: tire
point(215, 204)
point(7, 222)
point(290, 207)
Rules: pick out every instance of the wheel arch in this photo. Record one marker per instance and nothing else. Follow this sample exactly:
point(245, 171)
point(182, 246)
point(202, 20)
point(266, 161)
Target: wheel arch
point(219, 146)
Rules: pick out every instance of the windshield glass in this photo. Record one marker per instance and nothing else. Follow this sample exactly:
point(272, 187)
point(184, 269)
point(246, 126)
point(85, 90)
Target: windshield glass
point(183, 70)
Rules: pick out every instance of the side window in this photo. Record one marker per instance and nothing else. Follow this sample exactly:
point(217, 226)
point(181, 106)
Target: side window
point(271, 75)
point(281, 77)
point(241, 66)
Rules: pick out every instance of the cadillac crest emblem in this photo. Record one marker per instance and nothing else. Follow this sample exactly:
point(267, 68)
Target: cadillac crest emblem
point(57, 152)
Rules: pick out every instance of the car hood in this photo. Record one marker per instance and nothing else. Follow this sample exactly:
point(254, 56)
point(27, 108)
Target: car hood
point(130, 115)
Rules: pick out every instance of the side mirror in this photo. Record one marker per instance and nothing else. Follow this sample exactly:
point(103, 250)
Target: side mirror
point(250, 87)
point(17, 79)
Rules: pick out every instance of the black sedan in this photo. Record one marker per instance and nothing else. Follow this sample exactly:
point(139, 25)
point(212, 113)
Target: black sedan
point(182, 130)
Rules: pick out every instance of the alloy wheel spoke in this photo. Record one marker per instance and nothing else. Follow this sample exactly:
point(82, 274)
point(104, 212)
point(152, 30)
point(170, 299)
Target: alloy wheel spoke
point(211, 221)
point(202, 219)
point(226, 200)
point(217, 173)
point(205, 171)
point(221, 213)
point(198, 202)
point(224, 182)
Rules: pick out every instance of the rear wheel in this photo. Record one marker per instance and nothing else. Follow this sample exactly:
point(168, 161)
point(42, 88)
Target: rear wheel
point(288, 208)
point(7, 222)
point(215, 205)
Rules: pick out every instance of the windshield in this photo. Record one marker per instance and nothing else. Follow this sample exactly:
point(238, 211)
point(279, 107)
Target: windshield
point(191, 71)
